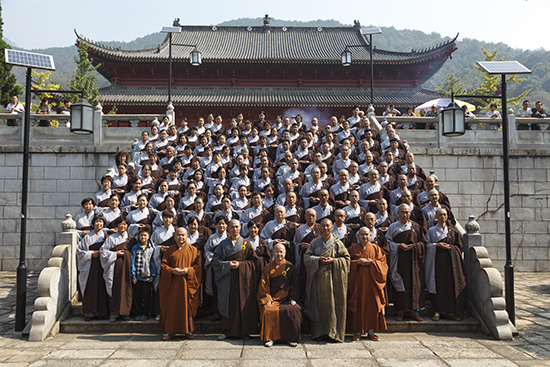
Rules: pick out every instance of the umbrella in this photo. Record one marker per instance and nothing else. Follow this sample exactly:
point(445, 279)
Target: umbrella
point(442, 103)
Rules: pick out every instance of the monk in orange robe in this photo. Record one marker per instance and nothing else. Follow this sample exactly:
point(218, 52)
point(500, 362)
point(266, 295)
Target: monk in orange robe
point(279, 288)
point(367, 279)
point(179, 287)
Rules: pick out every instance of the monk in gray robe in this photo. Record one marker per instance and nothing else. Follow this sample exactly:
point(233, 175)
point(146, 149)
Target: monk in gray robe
point(328, 263)
point(236, 270)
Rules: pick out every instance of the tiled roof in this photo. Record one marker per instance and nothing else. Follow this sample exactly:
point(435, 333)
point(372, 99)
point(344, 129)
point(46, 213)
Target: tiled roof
point(268, 97)
point(278, 45)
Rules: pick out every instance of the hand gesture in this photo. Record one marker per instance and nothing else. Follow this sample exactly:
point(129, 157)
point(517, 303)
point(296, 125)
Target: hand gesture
point(405, 247)
point(444, 246)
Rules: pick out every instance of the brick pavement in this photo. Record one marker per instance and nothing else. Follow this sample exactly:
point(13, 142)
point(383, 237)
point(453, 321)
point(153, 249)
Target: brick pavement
point(531, 348)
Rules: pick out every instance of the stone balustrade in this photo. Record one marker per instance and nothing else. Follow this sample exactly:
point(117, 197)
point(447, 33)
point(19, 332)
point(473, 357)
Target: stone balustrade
point(108, 132)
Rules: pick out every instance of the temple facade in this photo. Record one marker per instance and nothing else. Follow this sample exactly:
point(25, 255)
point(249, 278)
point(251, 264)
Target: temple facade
point(274, 69)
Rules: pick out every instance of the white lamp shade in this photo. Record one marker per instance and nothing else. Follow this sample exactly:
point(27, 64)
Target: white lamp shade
point(346, 57)
point(195, 57)
point(452, 120)
point(82, 114)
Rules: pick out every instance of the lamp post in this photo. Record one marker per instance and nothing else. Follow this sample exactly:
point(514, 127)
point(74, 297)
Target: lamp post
point(502, 68)
point(29, 60)
point(346, 57)
point(195, 56)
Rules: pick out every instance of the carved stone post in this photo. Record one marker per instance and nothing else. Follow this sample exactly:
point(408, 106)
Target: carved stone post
point(69, 236)
point(98, 125)
point(471, 238)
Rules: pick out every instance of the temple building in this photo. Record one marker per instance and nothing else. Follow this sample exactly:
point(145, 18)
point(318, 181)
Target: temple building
point(274, 69)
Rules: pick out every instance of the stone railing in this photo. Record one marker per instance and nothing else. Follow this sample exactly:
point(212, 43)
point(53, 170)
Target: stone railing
point(57, 284)
point(485, 286)
point(108, 134)
point(481, 133)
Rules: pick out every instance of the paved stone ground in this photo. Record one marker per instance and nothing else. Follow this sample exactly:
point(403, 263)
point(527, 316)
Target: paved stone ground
point(531, 348)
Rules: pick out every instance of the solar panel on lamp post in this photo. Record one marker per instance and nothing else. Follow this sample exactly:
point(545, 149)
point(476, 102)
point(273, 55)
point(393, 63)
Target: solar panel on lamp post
point(502, 68)
point(29, 60)
point(370, 32)
point(346, 56)
point(84, 123)
point(170, 31)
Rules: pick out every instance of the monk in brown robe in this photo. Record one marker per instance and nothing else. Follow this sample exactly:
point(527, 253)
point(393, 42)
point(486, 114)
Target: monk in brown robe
point(236, 269)
point(280, 315)
point(366, 296)
point(116, 259)
point(445, 280)
point(407, 246)
point(179, 287)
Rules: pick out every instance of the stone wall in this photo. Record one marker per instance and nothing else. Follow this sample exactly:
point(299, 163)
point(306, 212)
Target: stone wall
point(61, 176)
point(473, 180)
point(58, 181)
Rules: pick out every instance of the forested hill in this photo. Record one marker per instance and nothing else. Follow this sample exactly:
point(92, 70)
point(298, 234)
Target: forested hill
point(461, 65)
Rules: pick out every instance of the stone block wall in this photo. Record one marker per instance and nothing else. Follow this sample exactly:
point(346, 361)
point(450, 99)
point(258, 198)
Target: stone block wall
point(58, 181)
point(473, 180)
point(60, 177)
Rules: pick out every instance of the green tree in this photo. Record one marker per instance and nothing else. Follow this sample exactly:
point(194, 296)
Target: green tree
point(84, 77)
point(42, 81)
point(491, 84)
point(8, 82)
point(452, 85)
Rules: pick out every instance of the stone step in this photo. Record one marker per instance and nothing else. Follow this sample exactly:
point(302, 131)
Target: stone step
point(76, 310)
point(76, 324)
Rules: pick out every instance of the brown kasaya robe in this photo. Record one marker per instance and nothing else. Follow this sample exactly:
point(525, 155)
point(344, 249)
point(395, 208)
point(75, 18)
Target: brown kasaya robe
point(179, 295)
point(120, 302)
point(366, 296)
point(450, 281)
point(280, 320)
point(95, 301)
point(410, 268)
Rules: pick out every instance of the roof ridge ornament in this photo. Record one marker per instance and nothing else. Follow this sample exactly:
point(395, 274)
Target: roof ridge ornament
point(267, 21)
point(356, 24)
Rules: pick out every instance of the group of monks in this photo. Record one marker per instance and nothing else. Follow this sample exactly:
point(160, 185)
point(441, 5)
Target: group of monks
point(266, 223)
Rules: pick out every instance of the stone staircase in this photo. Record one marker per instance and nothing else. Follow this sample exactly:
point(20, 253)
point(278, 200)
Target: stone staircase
point(75, 324)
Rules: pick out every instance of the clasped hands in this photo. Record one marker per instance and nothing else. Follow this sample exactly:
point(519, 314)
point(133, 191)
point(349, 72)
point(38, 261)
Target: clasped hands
point(364, 261)
point(233, 265)
point(325, 260)
point(180, 272)
point(443, 245)
point(405, 247)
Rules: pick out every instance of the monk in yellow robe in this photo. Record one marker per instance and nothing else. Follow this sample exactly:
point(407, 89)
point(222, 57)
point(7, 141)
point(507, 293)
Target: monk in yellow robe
point(279, 288)
point(179, 287)
point(366, 298)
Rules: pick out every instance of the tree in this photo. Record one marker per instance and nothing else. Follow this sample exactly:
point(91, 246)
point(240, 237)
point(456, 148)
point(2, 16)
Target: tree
point(8, 82)
point(42, 81)
point(452, 85)
point(491, 84)
point(84, 78)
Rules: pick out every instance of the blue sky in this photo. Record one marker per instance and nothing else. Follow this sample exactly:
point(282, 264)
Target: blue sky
point(513, 22)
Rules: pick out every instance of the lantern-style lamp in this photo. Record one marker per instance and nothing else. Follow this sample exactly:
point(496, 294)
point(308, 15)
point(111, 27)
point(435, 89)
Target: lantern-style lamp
point(195, 57)
point(82, 114)
point(452, 120)
point(346, 57)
